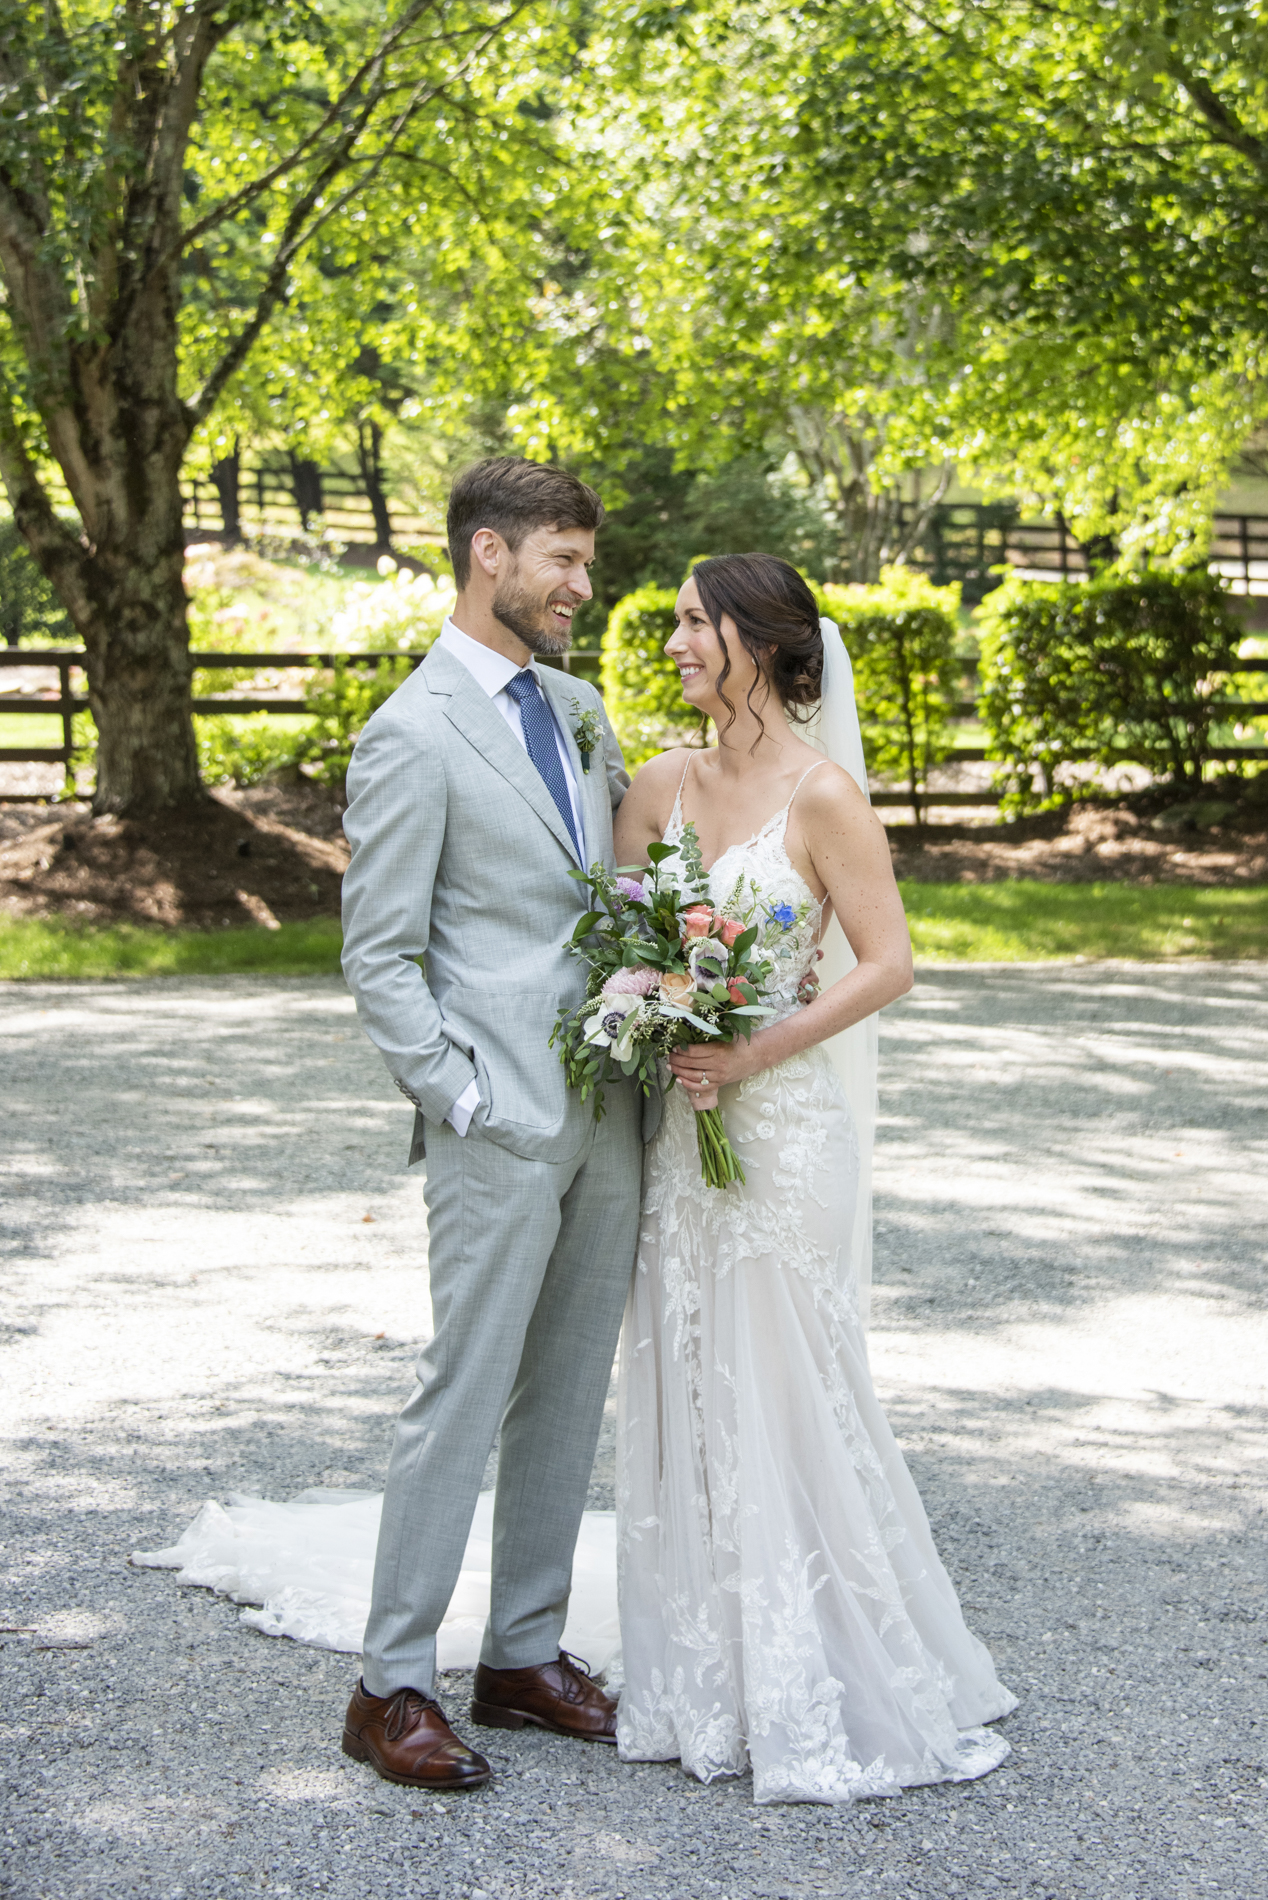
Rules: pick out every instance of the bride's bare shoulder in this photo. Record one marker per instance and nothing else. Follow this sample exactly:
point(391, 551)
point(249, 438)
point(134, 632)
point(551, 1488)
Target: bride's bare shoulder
point(665, 768)
point(657, 780)
point(645, 810)
point(830, 801)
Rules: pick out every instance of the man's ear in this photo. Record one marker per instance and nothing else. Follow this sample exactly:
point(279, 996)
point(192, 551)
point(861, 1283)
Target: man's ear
point(488, 550)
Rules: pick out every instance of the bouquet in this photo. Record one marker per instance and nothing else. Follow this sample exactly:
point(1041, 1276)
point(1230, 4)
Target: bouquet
point(666, 969)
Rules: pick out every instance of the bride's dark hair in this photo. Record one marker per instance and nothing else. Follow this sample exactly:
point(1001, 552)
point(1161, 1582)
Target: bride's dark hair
point(777, 620)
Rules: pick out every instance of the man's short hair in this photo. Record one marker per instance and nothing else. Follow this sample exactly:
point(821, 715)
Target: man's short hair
point(513, 497)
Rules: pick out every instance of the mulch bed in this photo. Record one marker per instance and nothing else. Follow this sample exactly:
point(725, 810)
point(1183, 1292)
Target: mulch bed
point(271, 855)
point(276, 853)
point(1139, 841)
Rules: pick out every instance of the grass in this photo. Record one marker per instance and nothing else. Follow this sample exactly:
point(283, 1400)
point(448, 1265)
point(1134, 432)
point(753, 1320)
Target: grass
point(43, 948)
point(30, 729)
point(1016, 922)
point(1022, 921)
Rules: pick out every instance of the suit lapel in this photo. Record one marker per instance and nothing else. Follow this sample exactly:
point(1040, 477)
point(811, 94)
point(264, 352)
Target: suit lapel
point(478, 720)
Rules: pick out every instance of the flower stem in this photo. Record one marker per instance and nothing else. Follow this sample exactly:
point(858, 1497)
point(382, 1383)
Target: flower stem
point(719, 1163)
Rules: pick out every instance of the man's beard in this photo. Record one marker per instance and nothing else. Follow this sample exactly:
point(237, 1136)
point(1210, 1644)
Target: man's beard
point(520, 613)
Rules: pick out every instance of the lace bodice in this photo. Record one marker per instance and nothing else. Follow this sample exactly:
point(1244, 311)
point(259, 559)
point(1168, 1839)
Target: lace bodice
point(761, 867)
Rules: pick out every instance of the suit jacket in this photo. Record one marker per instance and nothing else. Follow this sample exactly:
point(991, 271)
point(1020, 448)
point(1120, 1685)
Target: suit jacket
point(457, 903)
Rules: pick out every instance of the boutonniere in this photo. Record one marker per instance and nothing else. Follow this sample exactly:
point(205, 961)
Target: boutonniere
point(587, 731)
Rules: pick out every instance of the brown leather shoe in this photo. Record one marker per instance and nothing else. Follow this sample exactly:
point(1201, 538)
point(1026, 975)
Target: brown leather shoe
point(561, 1696)
point(406, 1738)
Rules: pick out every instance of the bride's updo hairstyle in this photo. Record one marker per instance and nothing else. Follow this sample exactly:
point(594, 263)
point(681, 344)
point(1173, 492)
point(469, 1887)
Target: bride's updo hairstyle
point(777, 619)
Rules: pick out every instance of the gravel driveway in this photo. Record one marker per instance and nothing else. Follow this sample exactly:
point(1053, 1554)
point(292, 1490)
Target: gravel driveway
point(213, 1266)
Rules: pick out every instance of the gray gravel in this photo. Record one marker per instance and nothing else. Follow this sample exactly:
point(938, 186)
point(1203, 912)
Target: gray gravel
point(213, 1275)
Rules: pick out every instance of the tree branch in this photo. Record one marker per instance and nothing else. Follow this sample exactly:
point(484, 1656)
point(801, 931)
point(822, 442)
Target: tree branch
point(229, 207)
point(295, 236)
point(1225, 125)
point(59, 552)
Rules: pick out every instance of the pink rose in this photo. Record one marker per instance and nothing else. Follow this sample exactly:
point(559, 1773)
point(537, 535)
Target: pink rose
point(729, 929)
point(697, 922)
point(736, 993)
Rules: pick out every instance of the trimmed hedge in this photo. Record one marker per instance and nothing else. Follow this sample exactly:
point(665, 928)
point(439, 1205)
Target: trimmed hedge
point(1099, 670)
point(900, 636)
point(641, 688)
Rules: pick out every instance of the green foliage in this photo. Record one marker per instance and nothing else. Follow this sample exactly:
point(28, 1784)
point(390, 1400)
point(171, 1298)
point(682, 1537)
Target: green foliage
point(900, 636)
point(246, 748)
point(30, 613)
point(1021, 921)
point(1023, 240)
point(672, 513)
point(640, 683)
point(341, 701)
point(1098, 671)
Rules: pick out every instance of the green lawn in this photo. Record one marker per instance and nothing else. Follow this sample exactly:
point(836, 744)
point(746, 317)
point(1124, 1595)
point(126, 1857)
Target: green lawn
point(27, 730)
point(1018, 922)
point(31, 948)
point(1022, 921)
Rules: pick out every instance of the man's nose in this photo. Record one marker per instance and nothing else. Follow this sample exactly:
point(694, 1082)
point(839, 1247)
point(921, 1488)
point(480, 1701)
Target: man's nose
point(579, 584)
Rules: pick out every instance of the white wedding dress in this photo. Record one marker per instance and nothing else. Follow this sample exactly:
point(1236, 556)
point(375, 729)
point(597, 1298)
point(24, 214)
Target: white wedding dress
point(782, 1603)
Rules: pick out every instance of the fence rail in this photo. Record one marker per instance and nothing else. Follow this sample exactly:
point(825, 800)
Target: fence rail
point(965, 541)
point(65, 703)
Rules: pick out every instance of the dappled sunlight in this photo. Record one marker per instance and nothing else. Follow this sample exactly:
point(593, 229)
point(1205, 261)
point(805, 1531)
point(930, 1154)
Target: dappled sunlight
point(1068, 1337)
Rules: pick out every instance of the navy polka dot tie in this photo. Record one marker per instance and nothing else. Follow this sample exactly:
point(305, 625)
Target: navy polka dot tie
point(539, 737)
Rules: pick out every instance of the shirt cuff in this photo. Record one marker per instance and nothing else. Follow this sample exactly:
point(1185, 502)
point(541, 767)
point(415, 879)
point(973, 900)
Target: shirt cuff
point(459, 1116)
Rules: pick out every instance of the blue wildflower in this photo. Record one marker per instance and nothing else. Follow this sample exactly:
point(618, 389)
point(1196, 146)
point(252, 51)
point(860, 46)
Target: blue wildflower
point(784, 915)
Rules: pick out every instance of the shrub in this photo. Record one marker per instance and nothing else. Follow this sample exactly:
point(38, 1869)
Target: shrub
point(900, 636)
point(1101, 671)
point(641, 687)
point(244, 748)
point(341, 701)
point(401, 610)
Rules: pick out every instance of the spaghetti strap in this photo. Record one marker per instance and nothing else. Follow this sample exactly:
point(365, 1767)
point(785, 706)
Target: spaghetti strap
point(797, 787)
point(675, 816)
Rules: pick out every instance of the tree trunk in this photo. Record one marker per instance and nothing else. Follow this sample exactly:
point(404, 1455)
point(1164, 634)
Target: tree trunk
point(226, 476)
point(120, 433)
point(139, 671)
point(370, 457)
point(306, 488)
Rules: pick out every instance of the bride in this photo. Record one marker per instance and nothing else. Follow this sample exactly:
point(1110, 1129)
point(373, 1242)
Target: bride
point(781, 1601)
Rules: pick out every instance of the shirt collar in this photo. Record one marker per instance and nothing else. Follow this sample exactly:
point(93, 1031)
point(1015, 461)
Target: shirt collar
point(490, 670)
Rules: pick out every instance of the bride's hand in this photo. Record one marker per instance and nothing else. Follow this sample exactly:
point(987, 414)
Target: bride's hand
point(705, 1067)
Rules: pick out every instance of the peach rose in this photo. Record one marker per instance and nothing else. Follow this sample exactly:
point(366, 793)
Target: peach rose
point(729, 928)
point(677, 988)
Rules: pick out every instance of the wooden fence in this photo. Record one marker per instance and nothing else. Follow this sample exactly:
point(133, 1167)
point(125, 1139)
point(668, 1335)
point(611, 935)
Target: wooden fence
point(965, 541)
point(65, 701)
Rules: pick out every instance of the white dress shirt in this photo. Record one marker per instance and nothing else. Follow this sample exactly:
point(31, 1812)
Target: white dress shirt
point(493, 671)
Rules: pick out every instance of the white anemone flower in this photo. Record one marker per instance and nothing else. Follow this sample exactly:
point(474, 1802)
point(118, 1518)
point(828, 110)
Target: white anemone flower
point(613, 1024)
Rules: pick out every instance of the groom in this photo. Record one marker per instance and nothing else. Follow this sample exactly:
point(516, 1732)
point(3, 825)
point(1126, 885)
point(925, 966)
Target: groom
point(470, 802)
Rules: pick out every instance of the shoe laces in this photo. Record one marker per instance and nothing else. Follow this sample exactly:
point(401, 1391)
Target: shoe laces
point(574, 1666)
point(404, 1710)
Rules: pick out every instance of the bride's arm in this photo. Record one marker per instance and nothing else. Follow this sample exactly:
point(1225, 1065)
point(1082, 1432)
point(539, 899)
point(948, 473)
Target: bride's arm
point(847, 849)
point(642, 815)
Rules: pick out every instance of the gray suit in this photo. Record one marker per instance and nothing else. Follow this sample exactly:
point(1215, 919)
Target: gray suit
point(459, 868)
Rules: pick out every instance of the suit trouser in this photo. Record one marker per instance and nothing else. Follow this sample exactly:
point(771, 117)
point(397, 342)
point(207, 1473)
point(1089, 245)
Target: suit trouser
point(530, 1263)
